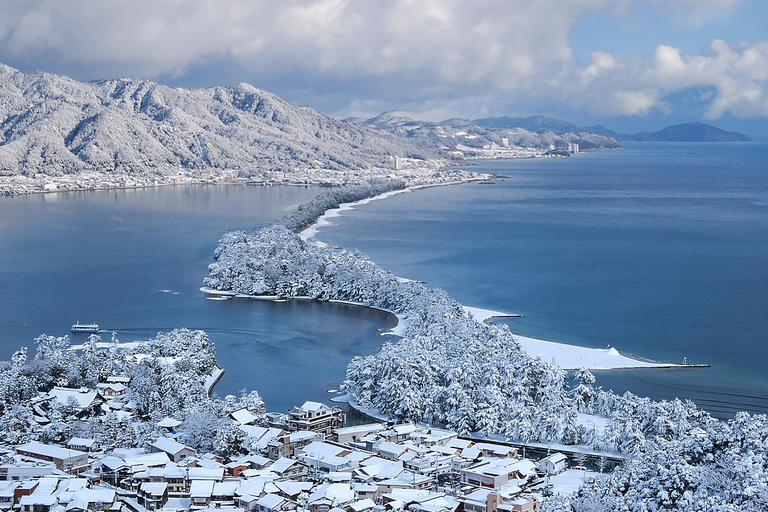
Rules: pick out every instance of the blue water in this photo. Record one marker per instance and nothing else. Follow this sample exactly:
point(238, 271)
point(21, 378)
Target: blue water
point(660, 250)
point(134, 260)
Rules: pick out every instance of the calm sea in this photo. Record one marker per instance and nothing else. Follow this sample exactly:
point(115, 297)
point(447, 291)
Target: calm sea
point(660, 250)
point(133, 261)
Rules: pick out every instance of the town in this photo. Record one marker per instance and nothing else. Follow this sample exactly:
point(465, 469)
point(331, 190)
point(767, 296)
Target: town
point(303, 460)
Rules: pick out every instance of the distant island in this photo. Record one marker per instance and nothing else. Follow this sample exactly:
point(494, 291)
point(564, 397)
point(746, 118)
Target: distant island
point(689, 132)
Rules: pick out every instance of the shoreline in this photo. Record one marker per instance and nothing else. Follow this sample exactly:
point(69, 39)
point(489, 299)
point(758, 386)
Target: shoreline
point(572, 357)
point(322, 221)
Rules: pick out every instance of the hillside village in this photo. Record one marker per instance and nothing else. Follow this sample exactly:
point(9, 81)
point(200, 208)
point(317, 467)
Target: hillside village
point(304, 460)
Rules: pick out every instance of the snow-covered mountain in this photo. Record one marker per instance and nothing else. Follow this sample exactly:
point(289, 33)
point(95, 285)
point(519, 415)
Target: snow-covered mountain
point(55, 126)
point(461, 134)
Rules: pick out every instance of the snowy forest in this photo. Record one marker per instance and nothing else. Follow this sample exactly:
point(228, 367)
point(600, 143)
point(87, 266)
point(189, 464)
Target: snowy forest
point(450, 369)
point(167, 378)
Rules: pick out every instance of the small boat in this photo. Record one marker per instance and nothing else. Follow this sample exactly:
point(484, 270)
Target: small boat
point(78, 327)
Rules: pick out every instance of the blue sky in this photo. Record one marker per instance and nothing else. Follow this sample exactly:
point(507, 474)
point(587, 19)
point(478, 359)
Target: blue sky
point(629, 64)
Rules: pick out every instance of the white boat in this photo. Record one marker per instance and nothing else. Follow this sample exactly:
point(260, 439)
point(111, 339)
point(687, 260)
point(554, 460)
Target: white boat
point(78, 327)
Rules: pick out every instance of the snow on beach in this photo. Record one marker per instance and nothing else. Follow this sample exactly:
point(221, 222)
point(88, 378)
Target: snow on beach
point(570, 357)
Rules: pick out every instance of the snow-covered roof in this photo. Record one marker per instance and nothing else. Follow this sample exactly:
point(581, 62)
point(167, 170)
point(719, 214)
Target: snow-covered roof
point(83, 397)
point(313, 406)
point(112, 386)
point(201, 489)
point(337, 493)
point(356, 429)
point(38, 498)
point(56, 452)
point(225, 488)
point(319, 449)
point(149, 460)
point(302, 435)
point(404, 428)
point(292, 488)
point(206, 473)
point(282, 464)
point(270, 501)
point(243, 416)
point(393, 448)
point(361, 505)
point(168, 422)
point(168, 445)
point(81, 441)
point(556, 458)
point(154, 488)
point(458, 444)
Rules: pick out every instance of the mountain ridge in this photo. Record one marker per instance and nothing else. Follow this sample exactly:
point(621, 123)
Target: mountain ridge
point(684, 132)
point(54, 125)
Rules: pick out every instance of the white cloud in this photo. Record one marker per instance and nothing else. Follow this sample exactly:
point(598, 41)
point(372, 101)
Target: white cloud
point(445, 55)
point(737, 75)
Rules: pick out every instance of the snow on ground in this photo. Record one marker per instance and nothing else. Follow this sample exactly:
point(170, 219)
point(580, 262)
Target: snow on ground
point(569, 481)
point(572, 357)
point(588, 420)
point(373, 413)
point(482, 315)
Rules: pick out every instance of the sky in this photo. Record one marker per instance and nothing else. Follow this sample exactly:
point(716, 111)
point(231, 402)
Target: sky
point(628, 64)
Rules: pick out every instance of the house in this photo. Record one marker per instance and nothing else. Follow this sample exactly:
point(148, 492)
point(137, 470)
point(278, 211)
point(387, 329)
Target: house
point(20, 468)
point(84, 400)
point(84, 445)
point(316, 417)
point(523, 504)
point(71, 461)
point(38, 502)
point(274, 503)
point(327, 496)
point(119, 379)
point(389, 450)
point(553, 464)
point(432, 436)
point(212, 474)
point(169, 424)
point(175, 450)
point(496, 450)
point(113, 469)
point(330, 457)
point(153, 496)
point(289, 469)
point(366, 505)
point(286, 445)
point(353, 434)
point(244, 416)
point(224, 492)
point(201, 492)
point(7, 494)
point(495, 473)
point(84, 500)
point(110, 390)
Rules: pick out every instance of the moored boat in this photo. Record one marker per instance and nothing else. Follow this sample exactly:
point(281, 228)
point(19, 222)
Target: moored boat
point(78, 327)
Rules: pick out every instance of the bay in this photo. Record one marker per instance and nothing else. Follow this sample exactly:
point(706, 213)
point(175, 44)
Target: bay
point(133, 262)
point(660, 250)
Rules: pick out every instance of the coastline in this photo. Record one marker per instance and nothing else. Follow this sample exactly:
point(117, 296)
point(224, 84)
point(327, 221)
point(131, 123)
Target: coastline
point(565, 355)
point(419, 173)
